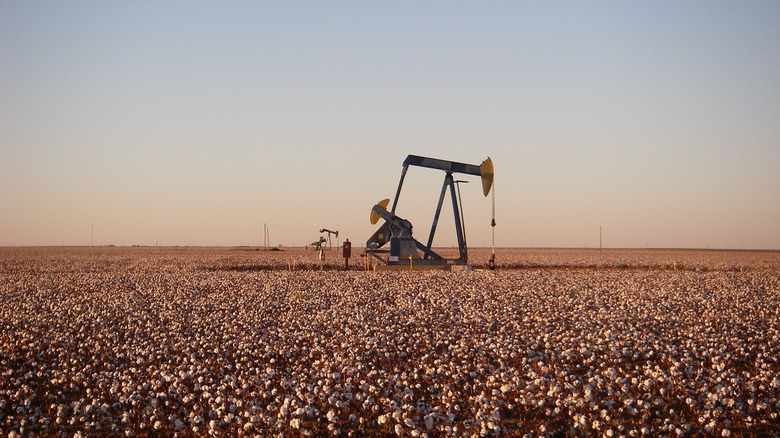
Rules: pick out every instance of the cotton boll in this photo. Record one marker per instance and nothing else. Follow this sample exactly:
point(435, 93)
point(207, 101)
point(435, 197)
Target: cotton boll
point(428, 422)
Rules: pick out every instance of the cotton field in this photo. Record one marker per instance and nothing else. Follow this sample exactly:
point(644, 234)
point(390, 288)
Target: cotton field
point(232, 342)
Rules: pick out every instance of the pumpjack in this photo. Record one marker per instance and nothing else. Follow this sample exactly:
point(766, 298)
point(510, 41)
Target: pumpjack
point(325, 230)
point(404, 248)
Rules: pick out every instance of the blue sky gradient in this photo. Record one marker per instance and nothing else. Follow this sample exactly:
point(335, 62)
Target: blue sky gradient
point(194, 123)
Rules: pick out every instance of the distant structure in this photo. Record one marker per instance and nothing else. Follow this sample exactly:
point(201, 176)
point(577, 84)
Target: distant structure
point(336, 233)
point(318, 244)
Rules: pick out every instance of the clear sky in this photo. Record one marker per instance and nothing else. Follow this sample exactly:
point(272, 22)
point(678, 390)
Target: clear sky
point(195, 122)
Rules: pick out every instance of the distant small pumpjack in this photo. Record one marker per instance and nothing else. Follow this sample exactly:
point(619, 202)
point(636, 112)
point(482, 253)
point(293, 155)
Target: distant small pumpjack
point(325, 230)
point(398, 231)
point(318, 244)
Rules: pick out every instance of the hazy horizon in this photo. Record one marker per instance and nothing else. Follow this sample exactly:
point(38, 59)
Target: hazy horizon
point(358, 250)
point(196, 123)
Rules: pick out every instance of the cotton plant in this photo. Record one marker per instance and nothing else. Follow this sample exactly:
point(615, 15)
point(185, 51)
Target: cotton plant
point(198, 347)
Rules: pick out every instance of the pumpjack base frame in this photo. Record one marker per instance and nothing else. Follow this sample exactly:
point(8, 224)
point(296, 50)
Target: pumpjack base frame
point(442, 264)
point(421, 267)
